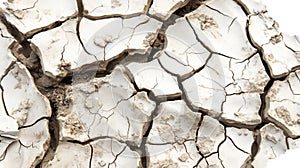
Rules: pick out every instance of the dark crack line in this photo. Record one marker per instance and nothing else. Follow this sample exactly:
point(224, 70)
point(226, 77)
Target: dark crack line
point(109, 16)
point(116, 157)
point(236, 145)
point(148, 6)
point(7, 70)
point(90, 140)
point(197, 37)
point(31, 33)
point(31, 7)
point(38, 120)
point(80, 40)
point(177, 60)
point(199, 161)
point(219, 146)
point(287, 143)
point(183, 92)
point(171, 143)
point(243, 7)
point(216, 10)
point(91, 158)
point(196, 140)
point(80, 8)
point(231, 23)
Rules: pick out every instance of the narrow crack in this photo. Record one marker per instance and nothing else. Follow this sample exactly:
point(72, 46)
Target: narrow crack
point(27, 8)
point(287, 143)
point(30, 34)
point(183, 92)
point(220, 144)
point(7, 70)
point(38, 120)
point(236, 145)
point(91, 158)
point(145, 158)
point(116, 157)
point(216, 10)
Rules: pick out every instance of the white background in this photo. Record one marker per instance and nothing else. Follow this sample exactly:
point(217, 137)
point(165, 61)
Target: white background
point(286, 13)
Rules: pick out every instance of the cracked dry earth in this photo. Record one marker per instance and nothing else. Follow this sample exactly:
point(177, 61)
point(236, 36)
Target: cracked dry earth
point(146, 83)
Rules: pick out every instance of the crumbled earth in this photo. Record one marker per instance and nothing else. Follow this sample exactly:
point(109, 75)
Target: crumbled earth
point(146, 83)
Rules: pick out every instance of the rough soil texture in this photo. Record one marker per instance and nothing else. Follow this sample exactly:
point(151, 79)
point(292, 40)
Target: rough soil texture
point(146, 83)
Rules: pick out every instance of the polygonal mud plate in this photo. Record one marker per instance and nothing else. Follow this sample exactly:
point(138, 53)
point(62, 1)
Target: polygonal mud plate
point(183, 54)
point(283, 104)
point(102, 8)
point(282, 57)
point(223, 22)
point(229, 89)
point(271, 145)
point(101, 105)
point(24, 132)
point(61, 50)
point(172, 138)
point(239, 143)
point(152, 77)
point(164, 9)
point(100, 153)
point(210, 135)
point(33, 15)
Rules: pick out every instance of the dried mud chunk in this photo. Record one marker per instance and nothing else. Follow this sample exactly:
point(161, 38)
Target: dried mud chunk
point(32, 15)
point(239, 141)
point(293, 143)
point(153, 77)
point(229, 89)
point(174, 122)
point(222, 22)
point(105, 43)
point(282, 104)
point(23, 101)
point(211, 133)
point(111, 153)
point(242, 109)
point(183, 53)
point(70, 155)
point(58, 49)
point(279, 51)
point(164, 9)
point(61, 51)
point(98, 8)
point(100, 108)
point(261, 28)
point(171, 141)
point(272, 144)
point(25, 107)
point(173, 155)
point(31, 147)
